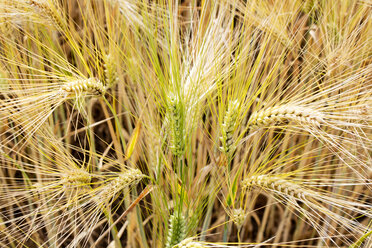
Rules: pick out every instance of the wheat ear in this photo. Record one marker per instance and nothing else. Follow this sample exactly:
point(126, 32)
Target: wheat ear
point(177, 230)
point(123, 179)
point(284, 113)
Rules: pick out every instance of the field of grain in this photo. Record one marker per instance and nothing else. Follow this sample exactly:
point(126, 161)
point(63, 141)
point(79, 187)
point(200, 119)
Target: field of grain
point(185, 124)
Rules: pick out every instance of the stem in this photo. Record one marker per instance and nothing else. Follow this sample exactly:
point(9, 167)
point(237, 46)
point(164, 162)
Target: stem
point(208, 215)
point(117, 122)
point(182, 176)
point(226, 228)
point(114, 230)
point(207, 219)
point(359, 242)
point(139, 220)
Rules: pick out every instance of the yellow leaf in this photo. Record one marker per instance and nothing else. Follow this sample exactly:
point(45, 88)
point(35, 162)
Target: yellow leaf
point(133, 141)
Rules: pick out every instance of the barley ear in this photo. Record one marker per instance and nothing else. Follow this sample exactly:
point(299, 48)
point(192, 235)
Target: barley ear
point(110, 72)
point(285, 113)
point(176, 230)
point(190, 243)
point(124, 179)
point(76, 177)
point(177, 125)
point(84, 86)
point(227, 128)
point(238, 217)
point(48, 11)
point(277, 184)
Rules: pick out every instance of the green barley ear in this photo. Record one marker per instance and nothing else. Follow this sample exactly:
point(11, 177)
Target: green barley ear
point(177, 125)
point(176, 230)
point(227, 128)
point(110, 72)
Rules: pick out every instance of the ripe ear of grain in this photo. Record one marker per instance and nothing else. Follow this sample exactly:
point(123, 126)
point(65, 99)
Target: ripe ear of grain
point(284, 113)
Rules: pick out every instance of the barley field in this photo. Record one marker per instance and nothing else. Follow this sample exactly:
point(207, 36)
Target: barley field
point(185, 124)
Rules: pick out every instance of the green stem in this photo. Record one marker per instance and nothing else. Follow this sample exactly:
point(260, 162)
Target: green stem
point(226, 228)
point(114, 230)
point(140, 221)
point(227, 217)
point(208, 215)
point(182, 176)
point(359, 242)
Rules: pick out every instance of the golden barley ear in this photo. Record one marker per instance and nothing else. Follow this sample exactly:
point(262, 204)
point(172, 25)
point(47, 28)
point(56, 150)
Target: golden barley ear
point(276, 184)
point(49, 11)
point(79, 87)
point(285, 113)
point(76, 177)
point(124, 179)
